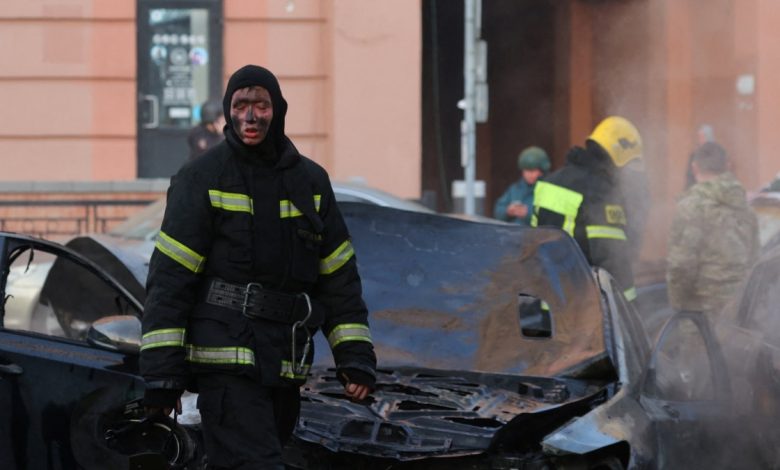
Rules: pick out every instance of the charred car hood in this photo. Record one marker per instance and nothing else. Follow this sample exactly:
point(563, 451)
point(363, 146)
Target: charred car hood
point(416, 414)
point(457, 376)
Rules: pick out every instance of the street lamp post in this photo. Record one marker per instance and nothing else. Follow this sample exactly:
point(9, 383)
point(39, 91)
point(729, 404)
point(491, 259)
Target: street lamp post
point(474, 102)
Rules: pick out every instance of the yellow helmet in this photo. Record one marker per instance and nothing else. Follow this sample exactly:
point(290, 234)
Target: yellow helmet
point(619, 138)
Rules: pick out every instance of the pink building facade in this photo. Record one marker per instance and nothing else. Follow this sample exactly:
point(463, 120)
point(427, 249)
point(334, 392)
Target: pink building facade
point(70, 80)
point(367, 102)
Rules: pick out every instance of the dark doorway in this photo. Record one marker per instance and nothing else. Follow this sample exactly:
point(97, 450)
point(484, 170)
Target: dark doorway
point(521, 75)
point(522, 92)
point(442, 87)
point(179, 62)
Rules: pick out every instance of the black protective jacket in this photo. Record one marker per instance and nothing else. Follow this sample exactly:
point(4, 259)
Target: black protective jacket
point(264, 215)
point(584, 199)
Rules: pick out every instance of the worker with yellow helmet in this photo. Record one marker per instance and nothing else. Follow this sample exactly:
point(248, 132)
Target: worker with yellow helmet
point(585, 200)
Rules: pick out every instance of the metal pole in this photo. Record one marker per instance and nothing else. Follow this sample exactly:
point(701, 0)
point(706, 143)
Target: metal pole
point(468, 125)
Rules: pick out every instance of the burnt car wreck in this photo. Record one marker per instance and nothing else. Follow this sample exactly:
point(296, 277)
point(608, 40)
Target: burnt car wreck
point(498, 347)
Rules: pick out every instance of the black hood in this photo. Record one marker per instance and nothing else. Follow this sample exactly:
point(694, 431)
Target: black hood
point(594, 157)
point(253, 75)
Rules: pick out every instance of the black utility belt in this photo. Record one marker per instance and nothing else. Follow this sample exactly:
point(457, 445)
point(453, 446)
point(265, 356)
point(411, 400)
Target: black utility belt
point(254, 301)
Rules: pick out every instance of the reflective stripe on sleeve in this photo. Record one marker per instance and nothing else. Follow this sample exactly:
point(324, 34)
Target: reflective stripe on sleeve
point(231, 201)
point(630, 294)
point(164, 337)
point(559, 200)
point(288, 209)
point(227, 355)
point(605, 231)
point(349, 332)
point(287, 371)
point(337, 259)
point(180, 252)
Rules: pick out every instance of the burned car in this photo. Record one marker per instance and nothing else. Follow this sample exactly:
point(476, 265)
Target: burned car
point(498, 348)
point(749, 331)
point(58, 388)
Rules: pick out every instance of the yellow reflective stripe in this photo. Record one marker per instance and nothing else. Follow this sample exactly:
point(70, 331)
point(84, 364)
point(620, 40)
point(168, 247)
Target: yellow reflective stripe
point(180, 252)
point(349, 332)
point(164, 337)
point(337, 259)
point(560, 200)
point(605, 231)
point(231, 201)
point(630, 294)
point(287, 371)
point(288, 209)
point(226, 355)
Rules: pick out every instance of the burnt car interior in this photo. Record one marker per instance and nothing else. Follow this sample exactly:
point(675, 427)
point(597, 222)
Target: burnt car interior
point(56, 294)
point(63, 365)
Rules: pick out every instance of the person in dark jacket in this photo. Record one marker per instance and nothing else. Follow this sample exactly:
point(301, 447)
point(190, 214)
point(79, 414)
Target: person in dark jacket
point(584, 198)
point(253, 257)
point(517, 203)
point(209, 132)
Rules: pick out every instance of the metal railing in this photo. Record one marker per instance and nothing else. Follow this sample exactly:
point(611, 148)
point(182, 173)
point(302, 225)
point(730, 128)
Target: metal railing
point(64, 217)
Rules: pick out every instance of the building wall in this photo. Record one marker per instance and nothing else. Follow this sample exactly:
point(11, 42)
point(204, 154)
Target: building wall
point(61, 210)
point(766, 102)
point(67, 84)
point(350, 71)
point(375, 91)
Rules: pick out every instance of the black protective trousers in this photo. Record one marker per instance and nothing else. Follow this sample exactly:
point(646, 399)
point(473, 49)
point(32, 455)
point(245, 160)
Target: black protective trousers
point(245, 424)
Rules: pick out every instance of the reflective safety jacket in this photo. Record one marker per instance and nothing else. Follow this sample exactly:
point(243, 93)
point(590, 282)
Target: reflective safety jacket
point(583, 198)
point(242, 219)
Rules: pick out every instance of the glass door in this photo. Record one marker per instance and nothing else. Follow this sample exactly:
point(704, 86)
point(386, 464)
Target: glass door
point(179, 62)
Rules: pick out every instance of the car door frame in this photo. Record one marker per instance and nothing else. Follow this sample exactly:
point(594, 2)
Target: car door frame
point(43, 430)
point(686, 417)
point(163, 149)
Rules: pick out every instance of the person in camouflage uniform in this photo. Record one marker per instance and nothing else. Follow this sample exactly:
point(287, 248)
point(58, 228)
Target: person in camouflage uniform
point(714, 236)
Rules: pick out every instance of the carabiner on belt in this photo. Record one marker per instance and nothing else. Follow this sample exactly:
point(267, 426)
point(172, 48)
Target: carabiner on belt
point(297, 367)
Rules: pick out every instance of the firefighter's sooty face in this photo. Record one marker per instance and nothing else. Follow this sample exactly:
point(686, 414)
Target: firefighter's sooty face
point(251, 111)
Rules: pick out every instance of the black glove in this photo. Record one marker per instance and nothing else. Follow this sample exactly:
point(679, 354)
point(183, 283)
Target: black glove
point(162, 397)
point(356, 376)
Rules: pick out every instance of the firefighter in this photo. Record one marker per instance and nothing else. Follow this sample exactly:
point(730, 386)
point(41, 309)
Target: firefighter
point(252, 258)
point(584, 198)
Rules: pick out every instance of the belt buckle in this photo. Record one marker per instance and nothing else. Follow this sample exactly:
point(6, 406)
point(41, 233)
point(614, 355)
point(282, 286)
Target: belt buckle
point(247, 293)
